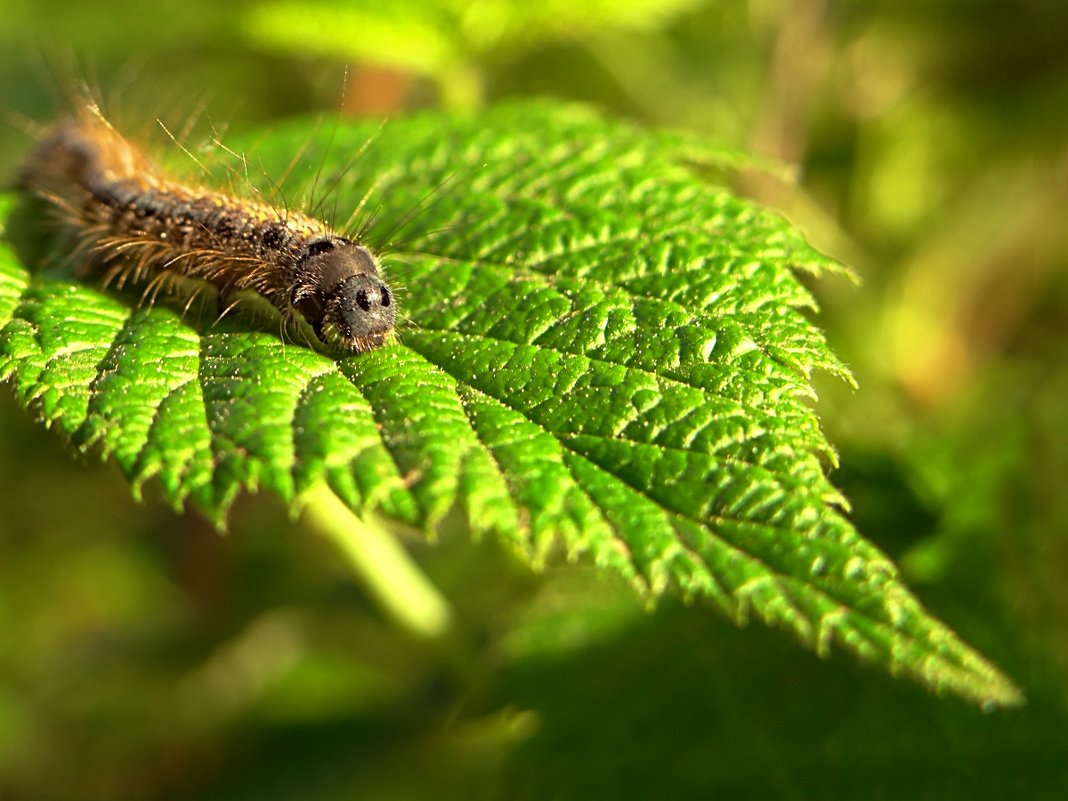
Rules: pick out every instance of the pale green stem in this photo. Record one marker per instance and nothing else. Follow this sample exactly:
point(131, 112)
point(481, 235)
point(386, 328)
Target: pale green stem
point(382, 566)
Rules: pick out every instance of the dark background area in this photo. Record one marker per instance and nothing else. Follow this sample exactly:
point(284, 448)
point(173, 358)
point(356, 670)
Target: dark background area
point(144, 655)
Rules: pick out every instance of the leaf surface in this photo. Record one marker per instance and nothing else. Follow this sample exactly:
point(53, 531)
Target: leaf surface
point(600, 351)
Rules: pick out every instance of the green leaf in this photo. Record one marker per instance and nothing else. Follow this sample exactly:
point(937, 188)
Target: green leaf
point(429, 35)
point(602, 353)
point(446, 40)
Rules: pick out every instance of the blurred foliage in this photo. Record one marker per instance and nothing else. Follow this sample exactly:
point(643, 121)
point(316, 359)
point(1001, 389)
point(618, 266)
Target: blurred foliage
point(144, 656)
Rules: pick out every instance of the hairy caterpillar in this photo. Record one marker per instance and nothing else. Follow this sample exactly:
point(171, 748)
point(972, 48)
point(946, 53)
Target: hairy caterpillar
point(130, 223)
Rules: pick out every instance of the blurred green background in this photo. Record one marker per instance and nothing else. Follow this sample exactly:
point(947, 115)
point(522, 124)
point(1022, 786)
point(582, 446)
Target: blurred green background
point(144, 656)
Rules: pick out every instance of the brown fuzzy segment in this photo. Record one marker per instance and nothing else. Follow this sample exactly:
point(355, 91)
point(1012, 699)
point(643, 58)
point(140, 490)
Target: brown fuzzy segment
point(133, 224)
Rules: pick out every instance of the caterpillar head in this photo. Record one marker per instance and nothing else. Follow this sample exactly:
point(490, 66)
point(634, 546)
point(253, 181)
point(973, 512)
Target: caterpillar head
point(340, 293)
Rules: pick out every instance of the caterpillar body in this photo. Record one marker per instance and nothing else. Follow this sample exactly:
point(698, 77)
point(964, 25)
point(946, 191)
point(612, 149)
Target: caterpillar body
point(131, 223)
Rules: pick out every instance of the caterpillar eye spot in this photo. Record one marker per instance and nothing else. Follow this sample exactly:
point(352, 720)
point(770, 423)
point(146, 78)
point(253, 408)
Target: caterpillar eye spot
point(363, 301)
point(318, 247)
point(386, 299)
point(273, 237)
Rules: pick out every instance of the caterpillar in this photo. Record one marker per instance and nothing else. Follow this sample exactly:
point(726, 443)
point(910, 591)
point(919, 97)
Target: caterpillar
point(129, 222)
